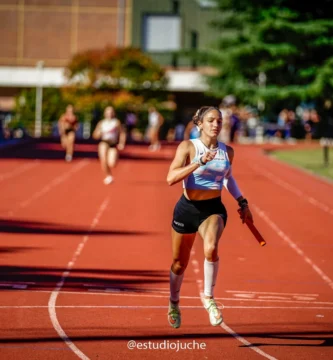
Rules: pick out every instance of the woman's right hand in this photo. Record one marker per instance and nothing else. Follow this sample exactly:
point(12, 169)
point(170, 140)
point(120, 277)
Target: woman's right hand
point(208, 156)
point(245, 214)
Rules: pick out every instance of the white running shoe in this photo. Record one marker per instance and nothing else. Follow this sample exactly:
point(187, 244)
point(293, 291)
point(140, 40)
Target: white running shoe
point(68, 157)
point(215, 314)
point(174, 315)
point(154, 147)
point(108, 180)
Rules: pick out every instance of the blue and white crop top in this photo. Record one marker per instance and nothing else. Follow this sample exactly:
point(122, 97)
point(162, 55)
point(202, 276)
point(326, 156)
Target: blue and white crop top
point(211, 175)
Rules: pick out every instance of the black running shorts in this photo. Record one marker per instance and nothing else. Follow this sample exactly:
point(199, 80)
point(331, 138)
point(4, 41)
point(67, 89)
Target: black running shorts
point(188, 214)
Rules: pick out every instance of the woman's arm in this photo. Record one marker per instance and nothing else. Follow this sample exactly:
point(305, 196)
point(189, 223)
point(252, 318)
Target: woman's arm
point(160, 119)
point(122, 136)
point(61, 125)
point(97, 132)
point(229, 182)
point(76, 124)
point(231, 185)
point(177, 170)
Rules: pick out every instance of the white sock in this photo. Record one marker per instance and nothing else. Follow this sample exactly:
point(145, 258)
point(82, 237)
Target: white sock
point(175, 284)
point(210, 272)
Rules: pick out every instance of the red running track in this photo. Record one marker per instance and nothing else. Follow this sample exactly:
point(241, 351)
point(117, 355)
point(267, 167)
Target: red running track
point(85, 267)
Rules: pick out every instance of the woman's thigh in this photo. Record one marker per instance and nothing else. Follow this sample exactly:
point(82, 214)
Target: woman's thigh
point(181, 246)
point(211, 230)
point(102, 150)
point(71, 137)
point(112, 156)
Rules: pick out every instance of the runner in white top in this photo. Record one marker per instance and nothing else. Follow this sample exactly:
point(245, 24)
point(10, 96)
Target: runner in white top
point(155, 121)
point(204, 165)
point(110, 131)
point(112, 138)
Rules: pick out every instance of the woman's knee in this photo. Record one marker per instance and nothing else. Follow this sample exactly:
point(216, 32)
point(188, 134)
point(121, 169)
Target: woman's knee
point(178, 267)
point(70, 139)
point(112, 159)
point(210, 251)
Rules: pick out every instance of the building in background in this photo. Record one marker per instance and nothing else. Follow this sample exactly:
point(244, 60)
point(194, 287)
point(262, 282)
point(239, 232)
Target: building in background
point(162, 28)
point(52, 31)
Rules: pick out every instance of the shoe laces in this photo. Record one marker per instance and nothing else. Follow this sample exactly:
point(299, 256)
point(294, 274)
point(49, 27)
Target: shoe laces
point(214, 305)
point(174, 311)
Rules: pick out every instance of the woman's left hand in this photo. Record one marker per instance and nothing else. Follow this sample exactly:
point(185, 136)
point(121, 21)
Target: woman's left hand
point(120, 147)
point(246, 215)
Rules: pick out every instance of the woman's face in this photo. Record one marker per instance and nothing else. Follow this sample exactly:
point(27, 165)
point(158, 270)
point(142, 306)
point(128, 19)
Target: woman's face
point(69, 109)
point(211, 124)
point(109, 112)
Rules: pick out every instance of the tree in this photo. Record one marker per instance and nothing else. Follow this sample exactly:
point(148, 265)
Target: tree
point(25, 107)
point(111, 68)
point(98, 78)
point(119, 77)
point(287, 42)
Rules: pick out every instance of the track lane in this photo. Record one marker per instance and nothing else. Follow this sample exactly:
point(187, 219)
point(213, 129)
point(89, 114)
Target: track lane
point(104, 332)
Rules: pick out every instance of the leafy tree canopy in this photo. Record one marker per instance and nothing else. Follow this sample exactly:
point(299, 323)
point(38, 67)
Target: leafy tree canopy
point(273, 50)
point(111, 68)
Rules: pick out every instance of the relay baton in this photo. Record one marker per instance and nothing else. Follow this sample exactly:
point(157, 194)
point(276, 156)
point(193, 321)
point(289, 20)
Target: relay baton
point(254, 231)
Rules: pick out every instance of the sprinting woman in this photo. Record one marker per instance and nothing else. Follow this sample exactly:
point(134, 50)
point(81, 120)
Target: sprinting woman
point(112, 138)
point(204, 165)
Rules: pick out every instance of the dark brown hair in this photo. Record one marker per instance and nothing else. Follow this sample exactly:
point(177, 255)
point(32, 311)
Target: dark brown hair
point(199, 115)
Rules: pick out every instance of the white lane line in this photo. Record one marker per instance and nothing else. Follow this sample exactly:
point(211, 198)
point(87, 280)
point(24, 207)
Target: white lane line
point(103, 287)
point(65, 274)
point(161, 307)
point(278, 301)
point(103, 293)
point(19, 282)
point(294, 190)
point(231, 331)
point(20, 287)
point(58, 180)
point(118, 290)
point(20, 169)
point(245, 342)
point(16, 286)
point(290, 243)
point(276, 297)
point(110, 287)
point(268, 293)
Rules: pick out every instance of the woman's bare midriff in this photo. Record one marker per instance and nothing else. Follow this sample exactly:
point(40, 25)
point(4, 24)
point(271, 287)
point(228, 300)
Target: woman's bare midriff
point(201, 194)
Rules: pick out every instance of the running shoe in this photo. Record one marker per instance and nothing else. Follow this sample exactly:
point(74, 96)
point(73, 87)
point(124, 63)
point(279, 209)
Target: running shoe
point(68, 157)
point(215, 314)
point(174, 315)
point(108, 180)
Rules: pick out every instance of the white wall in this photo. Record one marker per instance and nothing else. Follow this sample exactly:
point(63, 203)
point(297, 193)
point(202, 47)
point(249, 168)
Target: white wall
point(31, 77)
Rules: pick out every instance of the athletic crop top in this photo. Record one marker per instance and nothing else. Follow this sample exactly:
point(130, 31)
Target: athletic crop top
point(211, 175)
point(69, 121)
point(110, 130)
point(153, 119)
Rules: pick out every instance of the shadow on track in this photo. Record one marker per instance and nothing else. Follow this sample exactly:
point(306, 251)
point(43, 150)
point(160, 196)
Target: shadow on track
point(51, 150)
point(36, 227)
point(80, 280)
point(324, 336)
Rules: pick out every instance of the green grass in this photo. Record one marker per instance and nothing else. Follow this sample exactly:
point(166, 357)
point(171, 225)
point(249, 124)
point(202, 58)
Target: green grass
point(311, 160)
